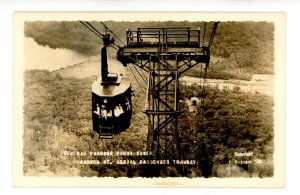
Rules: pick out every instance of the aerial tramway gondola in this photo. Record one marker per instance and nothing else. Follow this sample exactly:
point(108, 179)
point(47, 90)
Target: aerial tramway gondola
point(111, 95)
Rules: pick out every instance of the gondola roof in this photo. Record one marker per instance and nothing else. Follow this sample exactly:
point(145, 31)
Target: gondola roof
point(109, 90)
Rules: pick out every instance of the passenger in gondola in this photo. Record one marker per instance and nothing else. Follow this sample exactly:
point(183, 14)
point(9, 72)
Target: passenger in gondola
point(127, 103)
point(106, 112)
point(103, 112)
point(132, 95)
point(98, 110)
point(109, 113)
point(118, 110)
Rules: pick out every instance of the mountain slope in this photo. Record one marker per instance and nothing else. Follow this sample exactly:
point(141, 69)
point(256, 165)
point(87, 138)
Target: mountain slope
point(90, 68)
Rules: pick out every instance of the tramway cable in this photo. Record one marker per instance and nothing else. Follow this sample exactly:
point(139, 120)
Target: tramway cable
point(213, 34)
point(140, 74)
point(142, 89)
point(113, 33)
point(97, 33)
point(88, 25)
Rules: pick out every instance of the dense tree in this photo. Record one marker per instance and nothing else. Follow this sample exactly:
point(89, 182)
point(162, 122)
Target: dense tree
point(57, 119)
point(234, 122)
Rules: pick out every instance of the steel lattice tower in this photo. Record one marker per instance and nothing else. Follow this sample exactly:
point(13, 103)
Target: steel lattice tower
point(165, 53)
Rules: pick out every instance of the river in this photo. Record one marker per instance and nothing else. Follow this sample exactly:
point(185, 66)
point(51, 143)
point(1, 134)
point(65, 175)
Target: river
point(43, 57)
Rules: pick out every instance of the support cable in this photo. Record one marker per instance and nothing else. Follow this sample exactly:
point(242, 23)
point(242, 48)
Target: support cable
point(97, 33)
point(144, 75)
point(113, 33)
point(213, 34)
point(143, 78)
point(199, 122)
point(90, 27)
point(142, 89)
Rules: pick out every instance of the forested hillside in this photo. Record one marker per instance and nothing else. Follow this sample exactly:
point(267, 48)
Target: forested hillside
point(232, 121)
point(57, 107)
point(57, 122)
point(239, 50)
point(57, 118)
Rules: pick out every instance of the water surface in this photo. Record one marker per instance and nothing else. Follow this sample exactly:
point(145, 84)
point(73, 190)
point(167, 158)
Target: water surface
point(43, 57)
